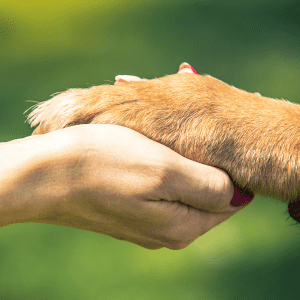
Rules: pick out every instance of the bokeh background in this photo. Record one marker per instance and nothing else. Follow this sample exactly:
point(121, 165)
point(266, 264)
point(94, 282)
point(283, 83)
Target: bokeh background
point(50, 46)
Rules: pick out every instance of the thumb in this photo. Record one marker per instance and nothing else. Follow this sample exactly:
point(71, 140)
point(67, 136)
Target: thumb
point(207, 188)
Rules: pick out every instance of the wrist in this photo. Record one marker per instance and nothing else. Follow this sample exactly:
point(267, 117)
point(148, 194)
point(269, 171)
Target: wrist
point(34, 177)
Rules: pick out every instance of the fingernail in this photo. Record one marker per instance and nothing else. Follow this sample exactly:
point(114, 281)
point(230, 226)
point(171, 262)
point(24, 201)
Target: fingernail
point(188, 66)
point(240, 198)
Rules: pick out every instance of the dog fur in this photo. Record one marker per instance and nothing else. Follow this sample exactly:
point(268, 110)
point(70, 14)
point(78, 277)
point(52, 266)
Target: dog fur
point(254, 139)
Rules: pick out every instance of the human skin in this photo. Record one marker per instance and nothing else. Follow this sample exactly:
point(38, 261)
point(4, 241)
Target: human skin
point(114, 181)
point(254, 139)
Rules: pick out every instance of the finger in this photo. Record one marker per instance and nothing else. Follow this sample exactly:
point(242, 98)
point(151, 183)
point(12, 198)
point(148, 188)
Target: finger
point(206, 188)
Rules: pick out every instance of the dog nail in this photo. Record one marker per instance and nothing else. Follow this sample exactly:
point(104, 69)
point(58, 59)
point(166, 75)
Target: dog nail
point(127, 78)
point(119, 79)
point(186, 68)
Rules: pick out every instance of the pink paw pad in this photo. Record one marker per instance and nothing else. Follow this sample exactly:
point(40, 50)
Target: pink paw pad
point(187, 68)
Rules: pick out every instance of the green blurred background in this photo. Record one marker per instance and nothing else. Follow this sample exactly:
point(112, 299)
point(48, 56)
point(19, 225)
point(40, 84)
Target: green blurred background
point(48, 47)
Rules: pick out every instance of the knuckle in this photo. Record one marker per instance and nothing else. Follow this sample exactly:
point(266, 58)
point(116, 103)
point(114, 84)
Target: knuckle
point(178, 245)
point(180, 237)
point(165, 175)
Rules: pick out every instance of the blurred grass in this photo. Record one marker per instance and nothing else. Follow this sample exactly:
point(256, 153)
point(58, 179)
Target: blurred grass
point(59, 45)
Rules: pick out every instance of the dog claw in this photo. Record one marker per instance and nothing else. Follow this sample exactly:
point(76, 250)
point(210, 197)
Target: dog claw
point(186, 68)
point(183, 68)
point(127, 78)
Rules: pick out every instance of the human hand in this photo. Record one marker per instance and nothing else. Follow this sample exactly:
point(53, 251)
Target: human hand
point(132, 188)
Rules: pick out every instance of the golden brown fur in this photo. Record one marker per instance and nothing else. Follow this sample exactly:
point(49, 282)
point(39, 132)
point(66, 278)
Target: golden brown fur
point(253, 138)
